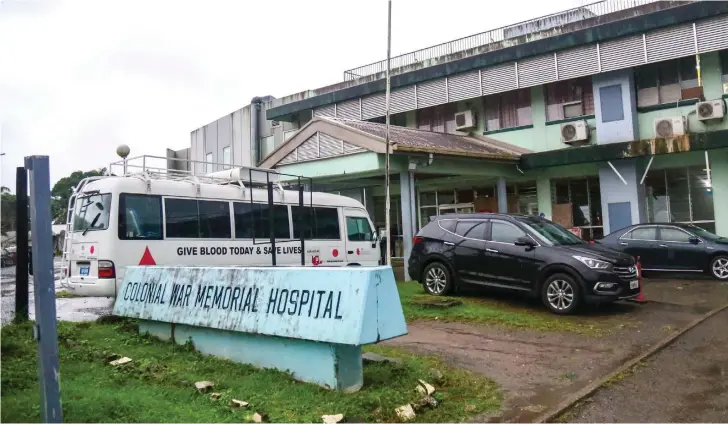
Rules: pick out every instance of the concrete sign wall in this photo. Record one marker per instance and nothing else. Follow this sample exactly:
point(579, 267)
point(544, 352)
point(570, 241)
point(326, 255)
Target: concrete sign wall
point(350, 306)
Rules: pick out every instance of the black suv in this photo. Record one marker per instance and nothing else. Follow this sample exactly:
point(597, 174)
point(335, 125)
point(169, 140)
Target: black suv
point(521, 253)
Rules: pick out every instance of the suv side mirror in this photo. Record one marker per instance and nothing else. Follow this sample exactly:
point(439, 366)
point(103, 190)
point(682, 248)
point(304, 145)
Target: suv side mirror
point(525, 241)
point(694, 240)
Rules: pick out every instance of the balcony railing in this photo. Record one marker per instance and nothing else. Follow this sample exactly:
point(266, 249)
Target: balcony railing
point(471, 42)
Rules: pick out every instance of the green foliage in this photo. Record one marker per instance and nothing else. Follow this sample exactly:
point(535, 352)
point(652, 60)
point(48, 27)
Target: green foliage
point(63, 189)
point(7, 211)
point(158, 385)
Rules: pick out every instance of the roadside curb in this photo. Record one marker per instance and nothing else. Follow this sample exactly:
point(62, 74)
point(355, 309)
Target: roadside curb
point(549, 416)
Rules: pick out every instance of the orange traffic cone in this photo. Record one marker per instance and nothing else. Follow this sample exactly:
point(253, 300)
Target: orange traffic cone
point(641, 296)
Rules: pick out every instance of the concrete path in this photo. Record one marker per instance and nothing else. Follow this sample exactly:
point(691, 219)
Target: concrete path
point(686, 382)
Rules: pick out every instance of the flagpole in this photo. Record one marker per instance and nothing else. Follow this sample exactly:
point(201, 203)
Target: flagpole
point(388, 226)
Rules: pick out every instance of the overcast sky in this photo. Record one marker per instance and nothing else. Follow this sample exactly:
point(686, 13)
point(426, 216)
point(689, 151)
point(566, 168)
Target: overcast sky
point(78, 78)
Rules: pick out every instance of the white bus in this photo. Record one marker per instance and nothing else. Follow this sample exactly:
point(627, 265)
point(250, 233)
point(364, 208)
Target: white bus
point(146, 220)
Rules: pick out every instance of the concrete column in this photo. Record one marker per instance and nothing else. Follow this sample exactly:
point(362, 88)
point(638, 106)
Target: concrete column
point(719, 177)
point(369, 201)
point(622, 204)
point(502, 196)
point(543, 193)
point(408, 224)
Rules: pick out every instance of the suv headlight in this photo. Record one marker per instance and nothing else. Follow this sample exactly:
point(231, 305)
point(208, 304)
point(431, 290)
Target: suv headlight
point(592, 263)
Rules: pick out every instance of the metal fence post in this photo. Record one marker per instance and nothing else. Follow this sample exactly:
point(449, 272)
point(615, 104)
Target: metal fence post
point(21, 252)
point(44, 329)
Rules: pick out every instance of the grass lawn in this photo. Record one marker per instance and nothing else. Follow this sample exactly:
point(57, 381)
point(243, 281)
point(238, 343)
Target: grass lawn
point(158, 385)
point(484, 310)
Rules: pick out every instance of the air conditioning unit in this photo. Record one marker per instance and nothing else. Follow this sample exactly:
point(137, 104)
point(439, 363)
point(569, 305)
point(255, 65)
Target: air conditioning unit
point(464, 120)
point(575, 131)
point(712, 109)
point(670, 127)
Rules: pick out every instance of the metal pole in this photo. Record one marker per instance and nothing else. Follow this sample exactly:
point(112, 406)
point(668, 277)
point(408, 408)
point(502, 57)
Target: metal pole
point(271, 223)
point(44, 329)
point(388, 224)
point(21, 252)
point(301, 231)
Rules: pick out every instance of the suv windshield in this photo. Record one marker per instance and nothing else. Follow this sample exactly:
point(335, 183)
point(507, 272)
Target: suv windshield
point(702, 233)
point(92, 213)
point(551, 234)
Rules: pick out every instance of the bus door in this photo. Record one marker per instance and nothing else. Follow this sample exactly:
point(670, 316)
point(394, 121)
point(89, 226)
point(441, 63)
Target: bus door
point(361, 246)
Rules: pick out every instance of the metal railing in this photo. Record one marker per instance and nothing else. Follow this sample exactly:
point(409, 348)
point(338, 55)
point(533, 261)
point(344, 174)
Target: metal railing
point(464, 44)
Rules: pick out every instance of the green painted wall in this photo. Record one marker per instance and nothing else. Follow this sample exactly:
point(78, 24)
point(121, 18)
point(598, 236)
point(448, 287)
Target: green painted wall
point(337, 166)
point(719, 167)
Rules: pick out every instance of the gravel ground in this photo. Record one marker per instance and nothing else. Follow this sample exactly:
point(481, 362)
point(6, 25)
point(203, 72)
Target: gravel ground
point(686, 382)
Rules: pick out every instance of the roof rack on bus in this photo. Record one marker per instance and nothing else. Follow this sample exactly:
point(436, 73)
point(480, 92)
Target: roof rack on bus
point(155, 167)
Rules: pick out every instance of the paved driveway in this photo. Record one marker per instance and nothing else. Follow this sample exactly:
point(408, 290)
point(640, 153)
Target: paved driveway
point(67, 309)
point(686, 382)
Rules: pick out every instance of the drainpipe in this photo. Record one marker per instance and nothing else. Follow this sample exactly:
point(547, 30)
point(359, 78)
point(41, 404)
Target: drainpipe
point(255, 130)
point(697, 67)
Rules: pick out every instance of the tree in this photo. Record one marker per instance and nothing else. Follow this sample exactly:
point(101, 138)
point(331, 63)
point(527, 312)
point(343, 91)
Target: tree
point(63, 189)
point(8, 214)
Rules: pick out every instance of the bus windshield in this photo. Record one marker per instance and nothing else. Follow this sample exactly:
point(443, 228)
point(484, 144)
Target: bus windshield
point(92, 213)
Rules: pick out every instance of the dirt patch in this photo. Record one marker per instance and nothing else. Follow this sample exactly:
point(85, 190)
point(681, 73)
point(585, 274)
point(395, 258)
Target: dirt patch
point(538, 369)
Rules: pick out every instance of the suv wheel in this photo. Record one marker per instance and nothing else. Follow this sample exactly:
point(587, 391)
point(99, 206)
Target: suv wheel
point(719, 267)
point(437, 279)
point(560, 293)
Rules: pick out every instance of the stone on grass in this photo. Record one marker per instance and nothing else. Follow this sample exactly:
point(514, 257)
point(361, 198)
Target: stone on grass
point(425, 388)
point(426, 402)
point(405, 412)
point(215, 396)
point(332, 419)
point(370, 357)
point(259, 418)
point(204, 386)
point(436, 375)
point(234, 403)
point(120, 361)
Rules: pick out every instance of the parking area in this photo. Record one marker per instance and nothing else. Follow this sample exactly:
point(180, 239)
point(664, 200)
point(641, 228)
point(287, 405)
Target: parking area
point(538, 364)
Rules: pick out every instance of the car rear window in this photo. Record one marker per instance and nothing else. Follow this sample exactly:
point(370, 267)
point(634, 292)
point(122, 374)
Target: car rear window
point(448, 224)
point(642, 233)
point(471, 229)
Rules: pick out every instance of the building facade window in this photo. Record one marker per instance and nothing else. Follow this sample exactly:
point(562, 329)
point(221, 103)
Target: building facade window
point(584, 197)
point(208, 163)
point(724, 69)
point(664, 82)
point(226, 156)
point(569, 99)
point(438, 118)
point(508, 110)
point(398, 119)
point(683, 195)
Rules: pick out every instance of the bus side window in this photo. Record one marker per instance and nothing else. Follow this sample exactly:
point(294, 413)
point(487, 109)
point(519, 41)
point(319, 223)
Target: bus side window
point(252, 220)
point(140, 217)
point(323, 224)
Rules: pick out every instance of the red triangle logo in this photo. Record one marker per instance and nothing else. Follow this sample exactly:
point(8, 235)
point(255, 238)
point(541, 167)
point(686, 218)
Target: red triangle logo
point(147, 258)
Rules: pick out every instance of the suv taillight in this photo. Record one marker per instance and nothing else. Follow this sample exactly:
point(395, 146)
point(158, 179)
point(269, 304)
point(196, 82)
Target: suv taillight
point(106, 269)
point(417, 239)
